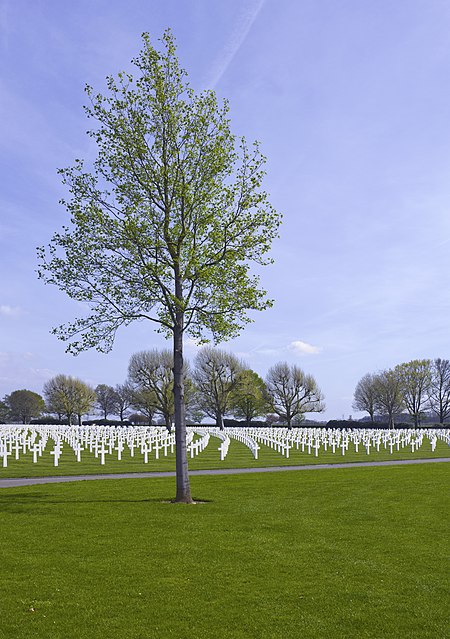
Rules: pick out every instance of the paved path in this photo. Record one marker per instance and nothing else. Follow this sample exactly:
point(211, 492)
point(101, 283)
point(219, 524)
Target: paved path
point(27, 481)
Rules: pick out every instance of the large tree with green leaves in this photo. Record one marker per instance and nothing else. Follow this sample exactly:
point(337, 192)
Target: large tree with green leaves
point(166, 224)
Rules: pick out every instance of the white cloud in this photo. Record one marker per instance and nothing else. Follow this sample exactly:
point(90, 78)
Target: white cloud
point(9, 311)
point(303, 348)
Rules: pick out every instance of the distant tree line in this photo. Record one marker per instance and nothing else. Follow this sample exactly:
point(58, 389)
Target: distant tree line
point(420, 387)
point(219, 386)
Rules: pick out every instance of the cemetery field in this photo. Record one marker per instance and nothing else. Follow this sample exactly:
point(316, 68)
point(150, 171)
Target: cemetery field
point(239, 455)
point(341, 553)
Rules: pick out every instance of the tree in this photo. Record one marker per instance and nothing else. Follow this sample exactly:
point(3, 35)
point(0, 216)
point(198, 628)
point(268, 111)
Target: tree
point(166, 224)
point(153, 371)
point(365, 395)
point(215, 377)
point(4, 412)
point(439, 390)
point(24, 405)
point(250, 398)
point(106, 399)
point(415, 378)
point(389, 399)
point(145, 400)
point(292, 393)
point(68, 396)
point(84, 398)
point(123, 395)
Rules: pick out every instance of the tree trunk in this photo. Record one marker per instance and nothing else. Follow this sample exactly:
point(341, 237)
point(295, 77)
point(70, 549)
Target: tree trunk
point(219, 421)
point(183, 486)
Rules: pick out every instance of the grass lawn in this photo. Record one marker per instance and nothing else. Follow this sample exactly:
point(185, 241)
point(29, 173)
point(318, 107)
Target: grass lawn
point(351, 553)
point(239, 456)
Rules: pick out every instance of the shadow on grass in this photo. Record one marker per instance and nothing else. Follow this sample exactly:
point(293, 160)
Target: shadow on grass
point(25, 501)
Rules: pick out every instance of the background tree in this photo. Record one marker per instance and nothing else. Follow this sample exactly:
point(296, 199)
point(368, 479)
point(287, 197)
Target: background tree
point(292, 393)
point(415, 378)
point(439, 390)
point(153, 371)
point(55, 391)
point(123, 399)
point(165, 226)
point(366, 394)
point(106, 399)
point(249, 398)
point(144, 400)
point(24, 404)
point(215, 376)
point(66, 395)
point(84, 398)
point(4, 412)
point(389, 398)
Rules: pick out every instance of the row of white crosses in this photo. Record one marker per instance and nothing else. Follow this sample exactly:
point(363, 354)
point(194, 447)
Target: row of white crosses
point(312, 440)
point(101, 441)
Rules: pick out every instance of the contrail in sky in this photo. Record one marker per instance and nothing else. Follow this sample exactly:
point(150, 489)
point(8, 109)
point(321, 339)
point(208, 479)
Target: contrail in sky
point(245, 20)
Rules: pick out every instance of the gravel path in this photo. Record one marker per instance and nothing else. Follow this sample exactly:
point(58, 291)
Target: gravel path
point(27, 481)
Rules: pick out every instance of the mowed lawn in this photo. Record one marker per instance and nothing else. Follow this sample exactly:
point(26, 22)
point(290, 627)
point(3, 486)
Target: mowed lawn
point(357, 552)
point(239, 456)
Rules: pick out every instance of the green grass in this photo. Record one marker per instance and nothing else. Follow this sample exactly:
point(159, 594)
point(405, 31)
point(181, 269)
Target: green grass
point(351, 553)
point(239, 456)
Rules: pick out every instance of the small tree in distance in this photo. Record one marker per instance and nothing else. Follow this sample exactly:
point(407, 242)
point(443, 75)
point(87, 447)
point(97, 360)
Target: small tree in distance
point(153, 371)
point(293, 393)
point(389, 398)
point(165, 225)
point(68, 396)
point(439, 389)
point(215, 377)
point(24, 404)
point(415, 379)
point(250, 398)
point(106, 399)
point(366, 394)
point(123, 399)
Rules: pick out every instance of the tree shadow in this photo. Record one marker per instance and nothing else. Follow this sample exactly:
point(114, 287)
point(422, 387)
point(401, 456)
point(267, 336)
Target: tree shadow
point(24, 503)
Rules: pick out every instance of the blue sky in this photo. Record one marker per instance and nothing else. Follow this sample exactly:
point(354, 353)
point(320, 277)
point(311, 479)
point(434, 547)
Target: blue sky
point(351, 101)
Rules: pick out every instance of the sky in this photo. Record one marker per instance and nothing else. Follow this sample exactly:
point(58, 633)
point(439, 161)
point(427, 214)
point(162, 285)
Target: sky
point(351, 102)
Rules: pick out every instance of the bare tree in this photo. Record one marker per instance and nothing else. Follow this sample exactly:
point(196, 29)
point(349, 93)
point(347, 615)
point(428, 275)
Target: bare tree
point(292, 392)
point(366, 394)
point(106, 399)
point(153, 371)
point(215, 376)
point(440, 388)
point(145, 400)
point(389, 398)
point(123, 399)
